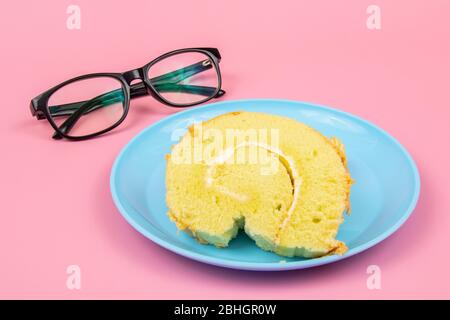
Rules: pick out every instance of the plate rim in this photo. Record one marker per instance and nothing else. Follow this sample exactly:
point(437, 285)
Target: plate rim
point(265, 266)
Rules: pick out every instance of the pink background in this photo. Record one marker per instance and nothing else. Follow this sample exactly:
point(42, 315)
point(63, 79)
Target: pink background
point(55, 201)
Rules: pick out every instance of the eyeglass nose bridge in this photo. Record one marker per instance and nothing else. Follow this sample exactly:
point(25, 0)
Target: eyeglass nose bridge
point(135, 74)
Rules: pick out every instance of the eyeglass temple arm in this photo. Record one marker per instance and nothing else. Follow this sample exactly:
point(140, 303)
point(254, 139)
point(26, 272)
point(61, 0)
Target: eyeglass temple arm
point(106, 99)
point(183, 73)
point(137, 90)
point(160, 83)
point(89, 106)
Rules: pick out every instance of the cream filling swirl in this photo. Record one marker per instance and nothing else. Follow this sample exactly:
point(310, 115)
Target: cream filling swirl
point(285, 160)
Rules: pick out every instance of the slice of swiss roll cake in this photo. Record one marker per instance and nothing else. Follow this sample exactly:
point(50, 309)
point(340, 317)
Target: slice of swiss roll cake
point(285, 184)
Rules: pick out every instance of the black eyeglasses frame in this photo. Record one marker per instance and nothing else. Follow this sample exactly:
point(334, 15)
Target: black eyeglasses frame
point(39, 105)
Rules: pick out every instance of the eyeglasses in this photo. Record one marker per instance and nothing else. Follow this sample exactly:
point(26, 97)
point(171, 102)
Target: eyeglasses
point(90, 105)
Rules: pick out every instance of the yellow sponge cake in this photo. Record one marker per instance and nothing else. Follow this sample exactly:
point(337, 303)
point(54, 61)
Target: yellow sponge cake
point(281, 181)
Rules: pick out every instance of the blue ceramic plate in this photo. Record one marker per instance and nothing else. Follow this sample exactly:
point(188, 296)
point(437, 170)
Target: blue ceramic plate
point(383, 197)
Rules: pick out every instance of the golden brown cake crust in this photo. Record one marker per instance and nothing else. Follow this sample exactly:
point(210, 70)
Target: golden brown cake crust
point(340, 149)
